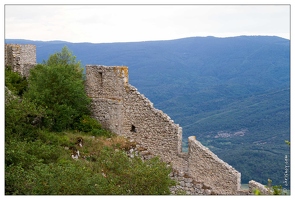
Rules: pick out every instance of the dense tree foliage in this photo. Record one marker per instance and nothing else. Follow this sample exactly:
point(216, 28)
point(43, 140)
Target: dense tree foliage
point(57, 85)
point(22, 117)
point(15, 82)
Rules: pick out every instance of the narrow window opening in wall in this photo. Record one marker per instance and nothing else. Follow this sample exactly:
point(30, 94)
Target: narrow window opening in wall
point(133, 129)
point(100, 78)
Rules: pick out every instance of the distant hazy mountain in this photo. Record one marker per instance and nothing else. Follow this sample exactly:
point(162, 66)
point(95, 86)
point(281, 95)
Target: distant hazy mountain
point(232, 93)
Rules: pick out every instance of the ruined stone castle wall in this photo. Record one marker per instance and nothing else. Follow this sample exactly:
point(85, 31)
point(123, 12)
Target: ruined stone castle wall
point(253, 185)
point(122, 109)
point(106, 88)
point(152, 129)
point(205, 166)
point(21, 58)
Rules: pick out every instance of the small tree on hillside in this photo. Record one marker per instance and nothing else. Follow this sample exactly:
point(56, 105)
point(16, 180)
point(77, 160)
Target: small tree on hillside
point(57, 85)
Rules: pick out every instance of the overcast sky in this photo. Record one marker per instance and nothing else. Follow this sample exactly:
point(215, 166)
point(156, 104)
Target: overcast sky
point(124, 23)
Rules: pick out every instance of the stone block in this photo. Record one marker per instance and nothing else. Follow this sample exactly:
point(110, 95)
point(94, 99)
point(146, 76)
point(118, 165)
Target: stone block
point(188, 180)
point(207, 192)
point(188, 184)
point(182, 183)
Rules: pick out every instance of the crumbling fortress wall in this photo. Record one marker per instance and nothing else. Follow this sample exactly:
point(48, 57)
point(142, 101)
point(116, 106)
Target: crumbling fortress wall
point(206, 167)
point(21, 58)
point(122, 109)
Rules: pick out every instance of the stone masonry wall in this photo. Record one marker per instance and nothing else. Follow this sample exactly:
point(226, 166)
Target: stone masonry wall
point(152, 129)
point(253, 185)
point(20, 57)
point(122, 109)
point(205, 166)
point(106, 87)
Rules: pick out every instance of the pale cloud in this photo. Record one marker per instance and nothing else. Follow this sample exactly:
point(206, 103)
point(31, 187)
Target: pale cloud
point(121, 23)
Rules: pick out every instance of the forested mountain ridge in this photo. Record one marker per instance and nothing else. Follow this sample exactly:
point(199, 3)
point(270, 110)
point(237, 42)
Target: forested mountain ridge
point(232, 93)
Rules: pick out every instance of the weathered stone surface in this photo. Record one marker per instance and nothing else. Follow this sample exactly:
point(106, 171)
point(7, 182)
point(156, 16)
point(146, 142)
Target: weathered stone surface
point(188, 185)
point(143, 153)
point(199, 185)
point(207, 192)
point(205, 166)
point(21, 58)
point(253, 185)
point(188, 180)
point(182, 183)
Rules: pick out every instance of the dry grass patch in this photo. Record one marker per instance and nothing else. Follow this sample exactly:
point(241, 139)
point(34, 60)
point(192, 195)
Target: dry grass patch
point(91, 145)
point(119, 142)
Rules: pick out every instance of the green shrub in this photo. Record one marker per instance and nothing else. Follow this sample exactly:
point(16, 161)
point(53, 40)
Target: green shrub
point(102, 132)
point(15, 180)
point(54, 179)
point(87, 124)
point(33, 168)
point(22, 118)
point(29, 153)
point(150, 177)
point(16, 154)
point(277, 190)
point(91, 126)
point(15, 82)
point(58, 86)
point(256, 192)
point(134, 176)
point(54, 138)
point(44, 152)
point(64, 179)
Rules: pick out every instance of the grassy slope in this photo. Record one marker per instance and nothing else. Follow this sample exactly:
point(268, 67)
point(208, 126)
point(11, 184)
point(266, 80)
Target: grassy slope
point(45, 166)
